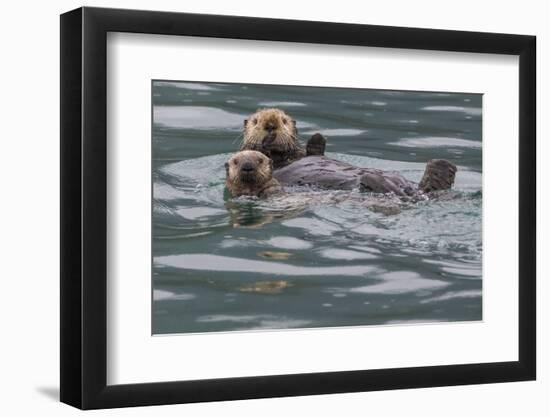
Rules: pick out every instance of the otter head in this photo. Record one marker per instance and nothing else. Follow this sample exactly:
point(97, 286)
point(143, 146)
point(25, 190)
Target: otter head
point(270, 130)
point(247, 172)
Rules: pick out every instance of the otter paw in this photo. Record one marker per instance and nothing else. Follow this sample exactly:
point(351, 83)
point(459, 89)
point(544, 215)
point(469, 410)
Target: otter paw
point(439, 175)
point(316, 145)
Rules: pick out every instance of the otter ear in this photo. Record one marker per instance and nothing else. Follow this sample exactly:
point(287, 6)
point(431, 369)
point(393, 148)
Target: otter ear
point(227, 168)
point(245, 122)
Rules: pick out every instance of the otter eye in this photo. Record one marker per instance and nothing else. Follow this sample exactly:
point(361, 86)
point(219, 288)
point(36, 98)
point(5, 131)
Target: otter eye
point(260, 160)
point(235, 161)
point(285, 121)
point(255, 121)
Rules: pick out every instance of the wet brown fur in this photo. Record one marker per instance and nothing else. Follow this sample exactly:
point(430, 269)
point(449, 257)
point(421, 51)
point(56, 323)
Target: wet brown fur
point(273, 132)
point(258, 181)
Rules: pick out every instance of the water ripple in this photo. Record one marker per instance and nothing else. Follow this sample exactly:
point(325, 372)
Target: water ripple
point(205, 262)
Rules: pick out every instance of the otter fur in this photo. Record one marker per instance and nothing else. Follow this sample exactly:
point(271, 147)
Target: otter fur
point(274, 133)
point(251, 173)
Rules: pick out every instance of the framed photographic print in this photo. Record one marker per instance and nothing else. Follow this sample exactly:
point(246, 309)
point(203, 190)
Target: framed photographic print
point(258, 208)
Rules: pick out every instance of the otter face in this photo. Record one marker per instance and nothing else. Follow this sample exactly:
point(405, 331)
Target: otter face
point(248, 169)
point(271, 128)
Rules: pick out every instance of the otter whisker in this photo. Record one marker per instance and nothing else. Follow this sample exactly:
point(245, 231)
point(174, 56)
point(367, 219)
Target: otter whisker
point(239, 137)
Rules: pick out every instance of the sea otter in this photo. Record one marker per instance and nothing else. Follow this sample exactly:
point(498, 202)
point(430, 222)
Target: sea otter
point(251, 173)
point(274, 133)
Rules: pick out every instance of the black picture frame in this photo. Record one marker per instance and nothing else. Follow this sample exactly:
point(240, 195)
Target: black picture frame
point(84, 207)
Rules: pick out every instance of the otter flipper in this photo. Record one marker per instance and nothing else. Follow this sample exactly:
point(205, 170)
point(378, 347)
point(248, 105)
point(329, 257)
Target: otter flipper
point(439, 175)
point(316, 145)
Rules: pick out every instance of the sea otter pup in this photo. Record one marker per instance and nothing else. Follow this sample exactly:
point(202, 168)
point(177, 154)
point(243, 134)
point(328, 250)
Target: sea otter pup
point(251, 173)
point(274, 133)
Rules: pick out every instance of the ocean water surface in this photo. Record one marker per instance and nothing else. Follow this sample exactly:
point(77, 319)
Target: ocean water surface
point(313, 258)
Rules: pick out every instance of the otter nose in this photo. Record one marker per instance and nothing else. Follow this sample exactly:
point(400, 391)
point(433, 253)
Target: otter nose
point(247, 167)
point(270, 127)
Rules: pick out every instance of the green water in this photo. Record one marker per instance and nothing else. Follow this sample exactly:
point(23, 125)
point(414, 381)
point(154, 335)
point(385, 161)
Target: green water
point(308, 259)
